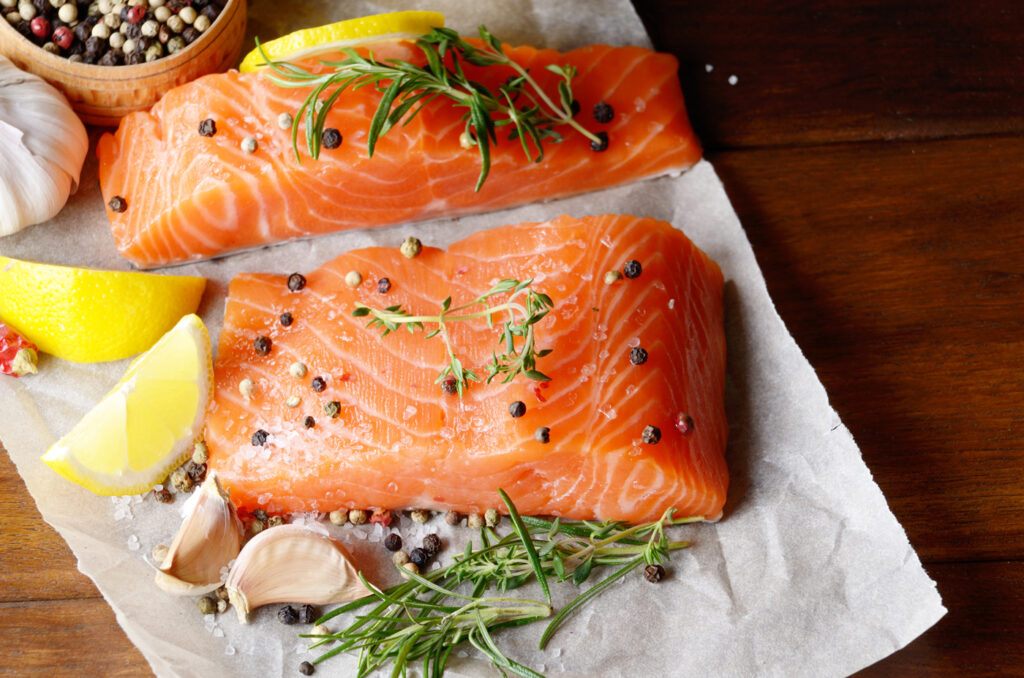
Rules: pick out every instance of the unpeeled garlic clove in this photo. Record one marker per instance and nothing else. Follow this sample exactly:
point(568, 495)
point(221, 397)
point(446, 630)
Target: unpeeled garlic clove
point(208, 540)
point(292, 564)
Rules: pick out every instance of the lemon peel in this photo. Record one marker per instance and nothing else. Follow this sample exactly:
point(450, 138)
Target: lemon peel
point(146, 425)
point(407, 25)
point(86, 315)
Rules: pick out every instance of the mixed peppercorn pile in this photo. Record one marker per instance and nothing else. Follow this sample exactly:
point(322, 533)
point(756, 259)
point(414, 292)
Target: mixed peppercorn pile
point(112, 32)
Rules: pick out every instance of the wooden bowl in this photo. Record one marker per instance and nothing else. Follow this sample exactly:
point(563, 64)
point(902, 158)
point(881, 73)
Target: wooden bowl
point(102, 95)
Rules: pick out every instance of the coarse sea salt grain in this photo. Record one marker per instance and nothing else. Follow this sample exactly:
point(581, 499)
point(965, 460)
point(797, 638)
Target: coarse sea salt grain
point(708, 68)
point(229, 650)
point(733, 79)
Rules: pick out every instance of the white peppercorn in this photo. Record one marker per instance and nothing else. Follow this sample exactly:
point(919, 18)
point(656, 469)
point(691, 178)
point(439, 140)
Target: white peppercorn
point(68, 13)
point(175, 44)
point(357, 517)
point(247, 386)
point(8, 4)
point(339, 517)
point(162, 14)
point(105, 6)
point(112, 21)
point(176, 23)
point(200, 453)
point(51, 47)
point(136, 3)
point(202, 22)
point(475, 521)
point(249, 144)
point(117, 41)
point(150, 28)
point(75, 58)
point(492, 517)
point(101, 31)
point(187, 14)
point(129, 46)
point(27, 11)
point(353, 279)
point(419, 515)
point(400, 558)
point(94, 9)
point(156, 3)
point(13, 18)
point(154, 51)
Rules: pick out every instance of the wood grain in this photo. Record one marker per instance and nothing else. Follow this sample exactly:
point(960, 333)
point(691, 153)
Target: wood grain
point(874, 152)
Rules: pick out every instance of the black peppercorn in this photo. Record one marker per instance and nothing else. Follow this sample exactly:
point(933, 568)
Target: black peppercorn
point(118, 204)
point(286, 319)
point(331, 138)
point(260, 515)
point(419, 557)
point(542, 435)
point(306, 669)
point(383, 286)
point(308, 614)
point(163, 496)
point(601, 144)
point(654, 573)
point(632, 269)
point(83, 30)
point(432, 545)
point(196, 472)
point(287, 615)
point(207, 127)
point(309, 422)
point(637, 355)
point(603, 112)
point(210, 12)
point(393, 542)
point(574, 108)
point(112, 57)
point(94, 45)
point(449, 386)
point(135, 58)
point(517, 409)
point(190, 34)
point(260, 438)
point(296, 281)
point(318, 384)
point(262, 345)
point(42, 6)
point(134, 32)
point(651, 435)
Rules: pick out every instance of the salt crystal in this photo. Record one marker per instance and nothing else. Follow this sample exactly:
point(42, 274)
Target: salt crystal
point(733, 79)
point(218, 632)
point(671, 304)
point(229, 650)
point(708, 68)
point(635, 341)
point(133, 543)
point(630, 390)
point(264, 498)
point(608, 411)
point(410, 411)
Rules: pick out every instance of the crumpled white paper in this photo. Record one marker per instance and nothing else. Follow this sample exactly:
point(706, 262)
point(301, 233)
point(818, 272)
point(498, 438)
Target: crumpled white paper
point(807, 574)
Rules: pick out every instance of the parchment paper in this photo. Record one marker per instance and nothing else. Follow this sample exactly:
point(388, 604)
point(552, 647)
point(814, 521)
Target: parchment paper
point(808, 573)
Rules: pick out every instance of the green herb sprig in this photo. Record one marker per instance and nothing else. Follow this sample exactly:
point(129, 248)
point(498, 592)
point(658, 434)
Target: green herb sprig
point(522, 309)
point(426, 617)
point(519, 103)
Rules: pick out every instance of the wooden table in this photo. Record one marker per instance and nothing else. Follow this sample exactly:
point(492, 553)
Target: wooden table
point(875, 154)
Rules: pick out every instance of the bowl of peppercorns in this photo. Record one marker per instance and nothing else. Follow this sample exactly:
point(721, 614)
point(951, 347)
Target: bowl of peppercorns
point(112, 57)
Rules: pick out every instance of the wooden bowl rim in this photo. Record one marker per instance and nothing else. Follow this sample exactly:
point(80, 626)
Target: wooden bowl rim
point(164, 65)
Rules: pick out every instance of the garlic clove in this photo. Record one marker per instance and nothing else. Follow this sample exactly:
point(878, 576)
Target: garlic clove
point(292, 564)
point(208, 540)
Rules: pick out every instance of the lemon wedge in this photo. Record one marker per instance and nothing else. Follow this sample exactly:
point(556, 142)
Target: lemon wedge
point(145, 427)
point(86, 315)
point(351, 33)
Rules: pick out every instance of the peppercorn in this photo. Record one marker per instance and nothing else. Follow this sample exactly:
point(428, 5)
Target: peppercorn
point(542, 435)
point(475, 521)
point(164, 34)
point(260, 514)
point(200, 453)
point(260, 438)
point(297, 370)
point(134, 58)
point(309, 422)
point(110, 58)
point(339, 517)
point(117, 203)
point(210, 12)
point(63, 37)
point(306, 669)
point(201, 23)
point(632, 269)
point(275, 521)
point(287, 615)
point(449, 385)
point(160, 553)
point(286, 319)
point(308, 614)
point(393, 542)
point(651, 435)
point(332, 409)
point(180, 480)
point(574, 108)
point(262, 344)
point(117, 42)
point(353, 279)
point(612, 277)
point(221, 593)
point(411, 247)
point(284, 121)
point(357, 517)
point(256, 527)
point(411, 567)
point(517, 409)
point(207, 605)
point(318, 384)
point(190, 35)
point(637, 355)
point(399, 558)
point(654, 573)
point(135, 14)
point(320, 630)
point(684, 423)
point(208, 127)
point(419, 557)
point(163, 495)
point(601, 144)
point(296, 281)
point(83, 30)
point(197, 472)
point(40, 27)
point(331, 138)
point(155, 50)
point(603, 112)
point(51, 48)
point(67, 13)
point(247, 387)
point(222, 606)
point(432, 545)
point(419, 515)
point(249, 144)
point(383, 286)
point(492, 517)
point(453, 518)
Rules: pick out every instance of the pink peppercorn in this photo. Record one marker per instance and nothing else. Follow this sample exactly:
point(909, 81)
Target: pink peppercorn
point(63, 37)
point(136, 14)
point(40, 27)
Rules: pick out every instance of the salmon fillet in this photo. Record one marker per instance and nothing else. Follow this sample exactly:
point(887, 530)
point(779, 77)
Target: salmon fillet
point(399, 441)
point(192, 197)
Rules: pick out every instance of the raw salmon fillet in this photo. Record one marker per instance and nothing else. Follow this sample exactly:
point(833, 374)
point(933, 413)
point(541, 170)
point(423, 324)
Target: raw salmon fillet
point(192, 197)
point(399, 441)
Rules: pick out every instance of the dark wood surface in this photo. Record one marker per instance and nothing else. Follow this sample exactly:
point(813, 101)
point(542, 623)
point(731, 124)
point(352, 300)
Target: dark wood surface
point(875, 154)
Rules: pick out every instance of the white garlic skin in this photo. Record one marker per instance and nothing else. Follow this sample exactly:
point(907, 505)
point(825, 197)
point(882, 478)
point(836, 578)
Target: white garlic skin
point(42, 148)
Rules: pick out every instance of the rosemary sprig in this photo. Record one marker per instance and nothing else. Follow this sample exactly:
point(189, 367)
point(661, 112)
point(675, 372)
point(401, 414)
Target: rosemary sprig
point(426, 617)
point(519, 103)
point(522, 309)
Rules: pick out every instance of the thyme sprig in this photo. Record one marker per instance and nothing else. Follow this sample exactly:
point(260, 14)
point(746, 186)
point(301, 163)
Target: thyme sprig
point(519, 103)
point(426, 617)
point(523, 307)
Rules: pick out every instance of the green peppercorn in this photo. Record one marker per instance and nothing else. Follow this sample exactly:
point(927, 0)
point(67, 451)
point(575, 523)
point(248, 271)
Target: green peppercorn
point(207, 605)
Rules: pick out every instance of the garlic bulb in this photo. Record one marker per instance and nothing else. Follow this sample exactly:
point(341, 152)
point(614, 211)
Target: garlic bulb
point(292, 564)
point(42, 148)
point(208, 540)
